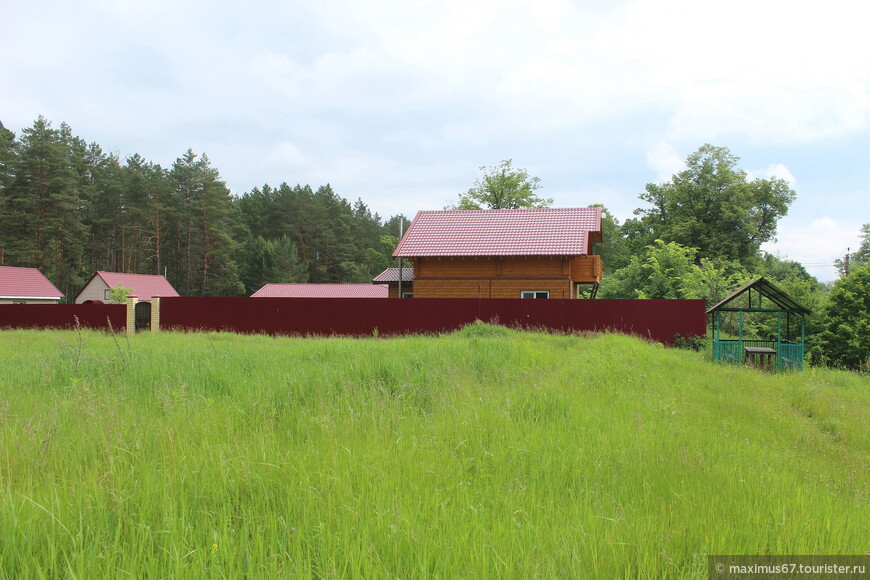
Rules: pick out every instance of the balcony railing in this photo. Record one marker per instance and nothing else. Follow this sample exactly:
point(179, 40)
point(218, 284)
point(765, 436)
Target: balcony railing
point(789, 355)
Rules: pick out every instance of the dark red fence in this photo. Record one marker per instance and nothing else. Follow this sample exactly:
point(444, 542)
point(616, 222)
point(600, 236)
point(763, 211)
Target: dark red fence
point(63, 316)
point(658, 320)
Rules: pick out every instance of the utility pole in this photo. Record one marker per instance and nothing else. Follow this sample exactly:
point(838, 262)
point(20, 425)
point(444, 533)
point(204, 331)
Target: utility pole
point(846, 263)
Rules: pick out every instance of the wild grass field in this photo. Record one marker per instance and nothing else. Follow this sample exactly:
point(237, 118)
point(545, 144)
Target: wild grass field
point(488, 453)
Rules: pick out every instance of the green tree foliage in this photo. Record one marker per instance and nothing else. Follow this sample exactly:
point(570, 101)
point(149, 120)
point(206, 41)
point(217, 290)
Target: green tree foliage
point(845, 340)
point(502, 187)
point(270, 261)
point(713, 207)
point(862, 256)
point(669, 270)
point(119, 294)
point(614, 247)
point(8, 147)
point(336, 241)
point(663, 271)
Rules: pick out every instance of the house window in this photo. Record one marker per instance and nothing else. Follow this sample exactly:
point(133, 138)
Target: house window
point(19, 302)
point(535, 294)
point(106, 294)
point(407, 294)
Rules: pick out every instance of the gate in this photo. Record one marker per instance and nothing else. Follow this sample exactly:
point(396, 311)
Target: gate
point(143, 316)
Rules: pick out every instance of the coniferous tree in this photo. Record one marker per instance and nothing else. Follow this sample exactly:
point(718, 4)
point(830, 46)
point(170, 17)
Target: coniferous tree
point(146, 190)
point(8, 147)
point(42, 222)
point(201, 214)
point(270, 261)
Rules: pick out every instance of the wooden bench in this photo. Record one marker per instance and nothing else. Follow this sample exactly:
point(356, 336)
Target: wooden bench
point(759, 357)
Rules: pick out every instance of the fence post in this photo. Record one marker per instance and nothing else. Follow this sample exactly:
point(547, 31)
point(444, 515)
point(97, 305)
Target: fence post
point(155, 313)
point(132, 299)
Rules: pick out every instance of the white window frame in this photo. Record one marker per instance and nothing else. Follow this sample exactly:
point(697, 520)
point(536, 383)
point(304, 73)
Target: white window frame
point(534, 294)
point(407, 294)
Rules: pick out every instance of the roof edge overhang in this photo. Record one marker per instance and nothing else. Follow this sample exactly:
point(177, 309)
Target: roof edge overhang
point(31, 297)
point(770, 291)
point(505, 255)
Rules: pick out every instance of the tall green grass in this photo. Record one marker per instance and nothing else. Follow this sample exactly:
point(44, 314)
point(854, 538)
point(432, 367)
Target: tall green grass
point(486, 453)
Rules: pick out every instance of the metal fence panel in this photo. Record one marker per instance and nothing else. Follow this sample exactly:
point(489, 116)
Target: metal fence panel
point(658, 320)
point(63, 316)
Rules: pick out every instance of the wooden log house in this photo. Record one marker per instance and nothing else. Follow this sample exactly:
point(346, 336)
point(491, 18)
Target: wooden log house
point(504, 253)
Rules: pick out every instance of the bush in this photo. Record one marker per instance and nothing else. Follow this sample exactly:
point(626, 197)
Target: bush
point(696, 343)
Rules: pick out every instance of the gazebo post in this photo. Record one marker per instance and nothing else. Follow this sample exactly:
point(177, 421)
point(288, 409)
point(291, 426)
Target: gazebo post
point(802, 331)
point(716, 322)
point(779, 339)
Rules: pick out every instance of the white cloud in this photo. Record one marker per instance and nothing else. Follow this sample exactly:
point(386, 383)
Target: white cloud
point(817, 244)
point(286, 154)
point(777, 170)
point(665, 161)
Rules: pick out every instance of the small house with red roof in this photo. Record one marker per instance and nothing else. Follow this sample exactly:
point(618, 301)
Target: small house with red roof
point(26, 286)
point(504, 253)
point(144, 286)
point(322, 291)
point(392, 277)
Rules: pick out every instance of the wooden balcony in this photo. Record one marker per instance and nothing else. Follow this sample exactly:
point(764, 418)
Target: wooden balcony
point(586, 270)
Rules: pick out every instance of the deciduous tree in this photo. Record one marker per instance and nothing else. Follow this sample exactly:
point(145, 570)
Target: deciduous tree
point(503, 187)
point(845, 340)
point(713, 206)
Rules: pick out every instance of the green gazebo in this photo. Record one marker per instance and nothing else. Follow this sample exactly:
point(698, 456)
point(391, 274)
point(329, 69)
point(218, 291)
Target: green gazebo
point(761, 296)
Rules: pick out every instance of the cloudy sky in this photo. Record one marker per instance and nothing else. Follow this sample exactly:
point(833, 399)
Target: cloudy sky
point(400, 102)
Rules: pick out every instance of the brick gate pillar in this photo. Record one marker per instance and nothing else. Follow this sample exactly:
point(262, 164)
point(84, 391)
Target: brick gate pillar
point(132, 299)
point(155, 313)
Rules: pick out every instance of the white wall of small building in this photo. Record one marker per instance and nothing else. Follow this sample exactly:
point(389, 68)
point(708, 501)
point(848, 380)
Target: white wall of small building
point(28, 300)
point(94, 290)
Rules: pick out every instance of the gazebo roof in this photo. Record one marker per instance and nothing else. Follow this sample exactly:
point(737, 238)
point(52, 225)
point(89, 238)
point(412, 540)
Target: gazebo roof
point(770, 291)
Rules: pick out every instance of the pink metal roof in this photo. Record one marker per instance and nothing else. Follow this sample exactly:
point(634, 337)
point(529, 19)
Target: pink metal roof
point(322, 291)
point(392, 275)
point(145, 286)
point(501, 232)
point(26, 283)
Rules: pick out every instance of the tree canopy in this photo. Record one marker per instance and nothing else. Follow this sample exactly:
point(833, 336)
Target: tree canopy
point(503, 187)
point(713, 207)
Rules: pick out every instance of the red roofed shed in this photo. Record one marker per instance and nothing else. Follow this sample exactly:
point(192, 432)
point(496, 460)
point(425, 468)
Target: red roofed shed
point(503, 253)
point(145, 286)
point(26, 286)
point(391, 276)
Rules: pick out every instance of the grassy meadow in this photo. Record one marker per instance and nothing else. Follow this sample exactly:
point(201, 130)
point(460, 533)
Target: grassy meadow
point(488, 453)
